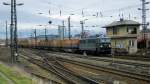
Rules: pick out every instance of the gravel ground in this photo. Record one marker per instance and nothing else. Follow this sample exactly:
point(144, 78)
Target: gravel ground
point(28, 68)
point(5, 54)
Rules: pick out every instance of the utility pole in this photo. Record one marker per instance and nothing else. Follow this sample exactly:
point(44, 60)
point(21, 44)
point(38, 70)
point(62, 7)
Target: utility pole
point(144, 22)
point(35, 35)
point(69, 28)
point(31, 36)
point(35, 38)
point(46, 39)
point(6, 34)
point(59, 31)
point(82, 26)
point(63, 22)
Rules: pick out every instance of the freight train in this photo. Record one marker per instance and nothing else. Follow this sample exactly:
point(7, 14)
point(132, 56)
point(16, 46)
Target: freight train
point(89, 45)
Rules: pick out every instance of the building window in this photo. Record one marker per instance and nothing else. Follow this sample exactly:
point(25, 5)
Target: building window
point(127, 29)
point(114, 31)
point(132, 30)
point(131, 43)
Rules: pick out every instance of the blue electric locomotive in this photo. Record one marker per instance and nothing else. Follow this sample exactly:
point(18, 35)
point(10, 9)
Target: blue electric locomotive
point(101, 45)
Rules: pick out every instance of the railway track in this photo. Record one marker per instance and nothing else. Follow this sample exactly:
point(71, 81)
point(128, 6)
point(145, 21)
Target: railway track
point(38, 63)
point(112, 70)
point(144, 74)
point(136, 57)
point(68, 74)
point(109, 57)
point(104, 59)
point(43, 65)
point(54, 66)
point(125, 56)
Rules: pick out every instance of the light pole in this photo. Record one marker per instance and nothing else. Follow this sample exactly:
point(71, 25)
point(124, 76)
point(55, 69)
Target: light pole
point(35, 33)
point(13, 30)
point(45, 31)
point(50, 22)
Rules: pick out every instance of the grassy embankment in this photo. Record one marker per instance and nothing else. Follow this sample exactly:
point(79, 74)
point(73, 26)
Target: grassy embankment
point(15, 76)
point(3, 80)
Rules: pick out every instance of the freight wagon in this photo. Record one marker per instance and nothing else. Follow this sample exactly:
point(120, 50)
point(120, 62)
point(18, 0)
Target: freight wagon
point(92, 45)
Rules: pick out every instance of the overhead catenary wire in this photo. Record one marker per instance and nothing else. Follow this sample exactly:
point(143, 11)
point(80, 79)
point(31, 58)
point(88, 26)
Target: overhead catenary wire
point(86, 9)
point(87, 12)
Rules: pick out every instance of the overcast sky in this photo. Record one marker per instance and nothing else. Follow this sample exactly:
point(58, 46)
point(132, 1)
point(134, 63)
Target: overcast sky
point(109, 11)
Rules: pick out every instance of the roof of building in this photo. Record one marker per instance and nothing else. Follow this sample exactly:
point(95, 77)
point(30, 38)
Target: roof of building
point(121, 23)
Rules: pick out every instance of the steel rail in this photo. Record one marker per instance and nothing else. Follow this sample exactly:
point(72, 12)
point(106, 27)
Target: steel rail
point(109, 70)
point(61, 71)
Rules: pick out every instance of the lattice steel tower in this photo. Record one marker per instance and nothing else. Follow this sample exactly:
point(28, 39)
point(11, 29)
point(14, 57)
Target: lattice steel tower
point(12, 27)
point(13, 30)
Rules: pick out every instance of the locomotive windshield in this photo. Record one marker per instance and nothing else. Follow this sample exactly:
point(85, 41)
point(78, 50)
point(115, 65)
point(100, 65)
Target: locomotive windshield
point(105, 42)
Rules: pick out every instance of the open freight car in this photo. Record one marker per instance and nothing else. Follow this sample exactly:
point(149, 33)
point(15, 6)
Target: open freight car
point(90, 45)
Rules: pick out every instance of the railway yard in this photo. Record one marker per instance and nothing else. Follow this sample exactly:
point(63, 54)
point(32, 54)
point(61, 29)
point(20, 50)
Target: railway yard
point(68, 68)
point(93, 70)
point(75, 42)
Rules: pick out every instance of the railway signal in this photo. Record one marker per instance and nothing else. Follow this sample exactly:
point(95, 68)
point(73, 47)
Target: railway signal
point(50, 22)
